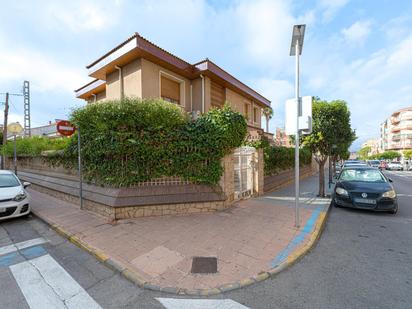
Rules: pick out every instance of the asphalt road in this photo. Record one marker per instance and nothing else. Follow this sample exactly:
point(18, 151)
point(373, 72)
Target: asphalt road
point(363, 260)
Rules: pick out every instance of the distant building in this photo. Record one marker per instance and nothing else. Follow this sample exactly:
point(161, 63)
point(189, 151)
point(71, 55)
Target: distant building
point(281, 138)
point(48, 130)
point(373, 143)
point(396, 131)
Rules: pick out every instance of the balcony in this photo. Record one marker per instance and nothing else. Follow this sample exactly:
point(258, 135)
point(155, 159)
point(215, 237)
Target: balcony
point(395, 120)
point(396, 137)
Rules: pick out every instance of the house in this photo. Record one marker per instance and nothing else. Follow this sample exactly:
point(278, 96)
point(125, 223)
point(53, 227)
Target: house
point(281, 138)
point(139, 68)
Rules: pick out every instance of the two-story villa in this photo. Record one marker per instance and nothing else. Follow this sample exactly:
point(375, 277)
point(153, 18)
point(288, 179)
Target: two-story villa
point(139, 68)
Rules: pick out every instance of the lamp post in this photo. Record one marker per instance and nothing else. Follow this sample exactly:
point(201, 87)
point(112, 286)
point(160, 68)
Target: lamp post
point(296, 50)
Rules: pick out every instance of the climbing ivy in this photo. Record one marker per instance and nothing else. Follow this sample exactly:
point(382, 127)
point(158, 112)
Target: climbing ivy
point(134, 140)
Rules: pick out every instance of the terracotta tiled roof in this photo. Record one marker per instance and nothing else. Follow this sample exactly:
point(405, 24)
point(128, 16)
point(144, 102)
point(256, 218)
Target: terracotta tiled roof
point(192, 70)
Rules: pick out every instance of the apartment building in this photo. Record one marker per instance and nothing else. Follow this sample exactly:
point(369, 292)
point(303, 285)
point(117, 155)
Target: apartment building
point(139, 68)
point(396, 131)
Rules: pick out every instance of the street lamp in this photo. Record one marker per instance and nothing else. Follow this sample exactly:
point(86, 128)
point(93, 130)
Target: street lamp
point(296, 46)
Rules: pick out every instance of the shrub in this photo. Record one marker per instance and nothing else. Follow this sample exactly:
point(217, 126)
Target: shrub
point(133, 140)
point(280, 158)
point(33, 146)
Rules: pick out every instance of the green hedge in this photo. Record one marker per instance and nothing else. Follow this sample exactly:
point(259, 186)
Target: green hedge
point(280, 158)
point(133, 140)
point(35, 145)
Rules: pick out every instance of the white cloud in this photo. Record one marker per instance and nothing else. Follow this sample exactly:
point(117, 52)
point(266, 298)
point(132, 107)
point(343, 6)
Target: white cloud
point(373, 86)
point(358, 32)
point(330, 8)
point(42, 70)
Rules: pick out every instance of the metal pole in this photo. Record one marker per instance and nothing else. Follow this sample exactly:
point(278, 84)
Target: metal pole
point(6, 114)
point(15, 155)
point(80, 168)
point(297, 223)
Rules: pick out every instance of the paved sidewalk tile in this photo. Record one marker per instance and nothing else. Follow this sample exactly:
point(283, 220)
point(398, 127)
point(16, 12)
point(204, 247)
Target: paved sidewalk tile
point(246, 239)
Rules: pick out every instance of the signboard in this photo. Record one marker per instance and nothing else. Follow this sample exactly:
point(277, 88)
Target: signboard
point(14, 128)
point(305, 116)
point(65, 128)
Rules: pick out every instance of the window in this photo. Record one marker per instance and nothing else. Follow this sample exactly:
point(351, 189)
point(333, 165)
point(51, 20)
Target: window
point(255, 114)
point(170, 90)
point(246, 110)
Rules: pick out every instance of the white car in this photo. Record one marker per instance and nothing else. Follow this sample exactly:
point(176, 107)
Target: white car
point(395, 166)
point(14, 200)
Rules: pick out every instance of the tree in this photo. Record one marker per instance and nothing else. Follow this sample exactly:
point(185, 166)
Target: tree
point(331, 134)
point(268, 113)
point(407, 154)
point(389, 155)
point(363, 153)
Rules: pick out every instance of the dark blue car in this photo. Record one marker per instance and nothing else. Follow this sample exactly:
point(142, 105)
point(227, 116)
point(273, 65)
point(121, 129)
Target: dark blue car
point(364, 188)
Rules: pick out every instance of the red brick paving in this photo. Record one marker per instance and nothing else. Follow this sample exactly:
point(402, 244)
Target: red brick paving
point(245, 239)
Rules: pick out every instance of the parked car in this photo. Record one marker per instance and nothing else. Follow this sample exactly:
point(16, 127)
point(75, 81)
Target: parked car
point(14, 200)
point(395, 166)
point(365, 188)
point(374, 163)
point(351, 164)
point(383, 165)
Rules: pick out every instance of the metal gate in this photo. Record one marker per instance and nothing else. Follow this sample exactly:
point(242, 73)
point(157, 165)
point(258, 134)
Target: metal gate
point(244, 171)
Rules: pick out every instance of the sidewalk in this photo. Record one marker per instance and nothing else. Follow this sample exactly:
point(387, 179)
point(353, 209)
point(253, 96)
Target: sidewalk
point(253, 240)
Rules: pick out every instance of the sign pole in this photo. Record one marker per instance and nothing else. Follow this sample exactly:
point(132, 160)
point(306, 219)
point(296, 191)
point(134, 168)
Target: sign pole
point(14, 155)
point(298, 111)
point(80, 168)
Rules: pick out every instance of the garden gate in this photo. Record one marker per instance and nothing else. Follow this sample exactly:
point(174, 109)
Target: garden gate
point(244, 171)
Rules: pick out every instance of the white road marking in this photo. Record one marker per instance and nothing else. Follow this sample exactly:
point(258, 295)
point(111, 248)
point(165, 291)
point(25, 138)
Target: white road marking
point(22, 245)
point(45, 284)
point(179, 303)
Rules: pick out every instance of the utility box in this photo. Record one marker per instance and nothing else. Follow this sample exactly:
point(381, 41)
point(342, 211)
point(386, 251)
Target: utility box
point(305, 115)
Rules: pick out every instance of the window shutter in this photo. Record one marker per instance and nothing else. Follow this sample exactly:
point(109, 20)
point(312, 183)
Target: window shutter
point(170, 89)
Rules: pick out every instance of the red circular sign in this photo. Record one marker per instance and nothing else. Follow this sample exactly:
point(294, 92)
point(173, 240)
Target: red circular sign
point(65, 128)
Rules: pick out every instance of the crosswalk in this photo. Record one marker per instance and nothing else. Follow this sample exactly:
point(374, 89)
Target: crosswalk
point(44, 283)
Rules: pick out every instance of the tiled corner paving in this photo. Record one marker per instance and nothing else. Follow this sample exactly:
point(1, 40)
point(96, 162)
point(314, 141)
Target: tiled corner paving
point(290, 255)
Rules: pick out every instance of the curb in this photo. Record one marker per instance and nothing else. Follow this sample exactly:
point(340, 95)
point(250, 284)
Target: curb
point(135, 278)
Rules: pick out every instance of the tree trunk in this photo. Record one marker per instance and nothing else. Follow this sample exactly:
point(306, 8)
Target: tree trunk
point(321, 178)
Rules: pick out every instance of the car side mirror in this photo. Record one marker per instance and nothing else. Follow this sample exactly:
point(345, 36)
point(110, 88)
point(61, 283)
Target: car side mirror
point(390, 179)
point(26, 184)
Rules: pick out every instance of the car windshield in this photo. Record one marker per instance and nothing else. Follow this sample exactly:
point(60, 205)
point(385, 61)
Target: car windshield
point(8, 180)
point(374, 162)
point(396, 163)
point(355, 165)
point(364, 175)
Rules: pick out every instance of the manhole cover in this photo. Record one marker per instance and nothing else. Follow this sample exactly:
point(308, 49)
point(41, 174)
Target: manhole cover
point(204, 265)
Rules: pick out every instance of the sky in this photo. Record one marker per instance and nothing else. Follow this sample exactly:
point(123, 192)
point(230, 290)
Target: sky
point(358, 51)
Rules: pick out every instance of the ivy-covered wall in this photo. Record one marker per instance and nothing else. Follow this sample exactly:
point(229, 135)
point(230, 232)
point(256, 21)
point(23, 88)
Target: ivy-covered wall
point(134, 140)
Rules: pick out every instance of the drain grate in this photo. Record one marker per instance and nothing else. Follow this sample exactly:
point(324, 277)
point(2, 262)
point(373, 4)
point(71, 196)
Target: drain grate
point(204, 265)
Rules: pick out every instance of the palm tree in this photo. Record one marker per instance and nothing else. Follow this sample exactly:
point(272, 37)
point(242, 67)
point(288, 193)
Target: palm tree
point(268, 112)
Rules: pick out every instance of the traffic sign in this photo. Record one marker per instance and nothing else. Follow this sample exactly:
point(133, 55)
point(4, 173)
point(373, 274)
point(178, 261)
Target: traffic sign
point(65, 128)
point(14, 128)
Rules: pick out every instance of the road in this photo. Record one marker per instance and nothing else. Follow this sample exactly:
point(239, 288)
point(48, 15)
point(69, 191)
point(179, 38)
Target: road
point(363, 260)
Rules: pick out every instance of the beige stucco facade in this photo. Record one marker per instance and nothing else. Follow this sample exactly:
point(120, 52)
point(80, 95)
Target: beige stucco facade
point(141, 78)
